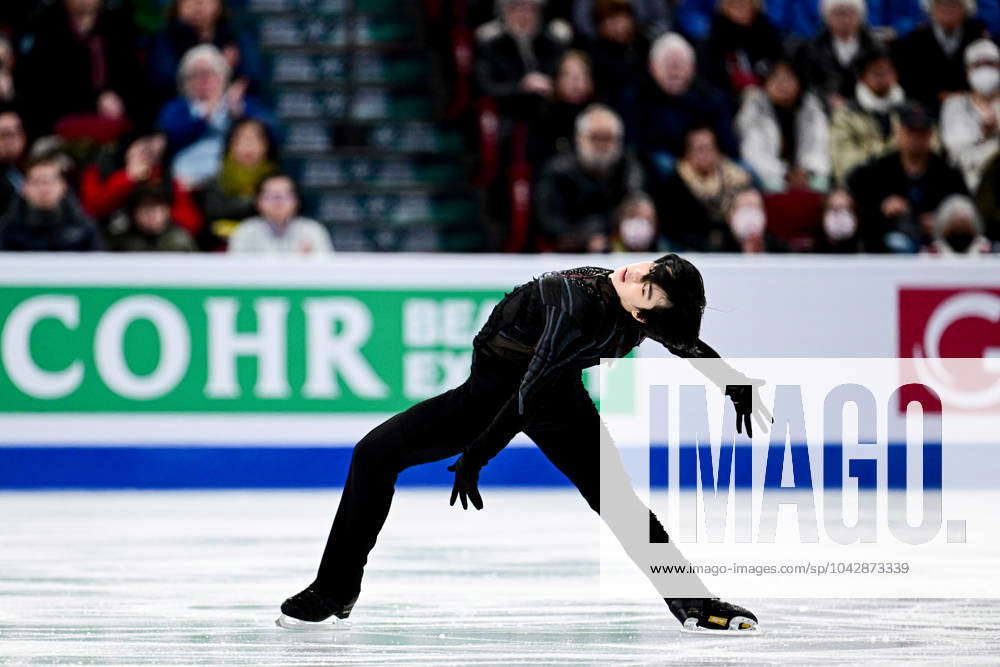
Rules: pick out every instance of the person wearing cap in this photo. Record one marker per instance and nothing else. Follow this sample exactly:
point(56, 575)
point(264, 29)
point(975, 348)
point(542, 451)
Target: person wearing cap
point(784, 132)
point(970, 122)
point(865, 127)
point(897, 194)
point(830, 62)
point(930, 59)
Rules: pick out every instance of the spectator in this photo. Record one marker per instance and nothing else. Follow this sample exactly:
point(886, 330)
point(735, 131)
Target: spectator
point(196, 123)
point(46, 216)
point(929, 59)
point(831, 60)
point(146, 225)
point(678, 101)
point(840, 224)
point(747, 223)
point(194, 22)
point(250, 158)
point(897, 193)
point(700, 193)
point(7, 89)
point(13, 143)
point(970, 122)
point(636, 226)
point(864, 128)
point(619, 53)
point(517, 59)
point(80, 63)
point(278, 229)
point(107, 184)
point(742, 39)
point(784, 133)
point(652, 16)
point(988, 198)
point(574, 88)
point(958, 229)
point(578, 193)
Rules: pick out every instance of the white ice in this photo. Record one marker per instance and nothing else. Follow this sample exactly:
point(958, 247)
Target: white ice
point(197, 577)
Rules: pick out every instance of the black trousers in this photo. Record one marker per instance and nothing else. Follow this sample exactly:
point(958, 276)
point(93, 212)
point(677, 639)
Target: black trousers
point(564, 424)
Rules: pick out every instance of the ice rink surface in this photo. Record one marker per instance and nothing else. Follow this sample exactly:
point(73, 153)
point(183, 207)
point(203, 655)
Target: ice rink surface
point(197, 578)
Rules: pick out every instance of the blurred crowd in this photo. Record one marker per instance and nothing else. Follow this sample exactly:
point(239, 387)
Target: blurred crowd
point(739, 126)
point(139, 125)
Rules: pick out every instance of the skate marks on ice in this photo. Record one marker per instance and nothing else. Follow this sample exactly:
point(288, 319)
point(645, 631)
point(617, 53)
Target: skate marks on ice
point(197, 577)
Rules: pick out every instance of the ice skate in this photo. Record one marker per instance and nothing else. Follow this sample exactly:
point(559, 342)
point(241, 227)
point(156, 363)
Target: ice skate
point(713, 616)
point(311, 609)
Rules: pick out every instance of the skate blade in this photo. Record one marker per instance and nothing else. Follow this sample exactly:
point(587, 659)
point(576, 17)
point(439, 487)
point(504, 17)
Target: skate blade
point(690, 626)
point(289, 623)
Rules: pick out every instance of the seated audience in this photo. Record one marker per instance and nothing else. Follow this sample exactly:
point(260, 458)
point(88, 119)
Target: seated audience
point(637, 228)
point(250, 157)
point(988, 198)
point(840, 225)
point(930, 59)
point(865, 127)
point(107, 184)
point(784, 134)
point(747, 224)
point(830, 62)
point(741, 40)
point(578, 193)
point(194, 22)
point(46, 215)
point(958, 229)
point(650, 17)
point(618, 53)
point(699, 194)
point(80, 62)
point(574, 89)
point(516, 59)
point(196, 123)
point(278, 229)
point(146, 226)
point(678, 101)
point(897, 194)
point(970, 122)
point(13, 143)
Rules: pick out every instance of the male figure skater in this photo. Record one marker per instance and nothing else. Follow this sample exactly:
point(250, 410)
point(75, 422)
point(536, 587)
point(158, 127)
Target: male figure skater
point(526, 376)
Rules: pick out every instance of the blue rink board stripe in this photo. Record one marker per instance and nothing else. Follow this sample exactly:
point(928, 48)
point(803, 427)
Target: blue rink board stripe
point(161, 467)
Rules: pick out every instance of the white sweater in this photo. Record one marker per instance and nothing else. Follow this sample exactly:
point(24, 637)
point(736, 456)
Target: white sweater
point(300, 235)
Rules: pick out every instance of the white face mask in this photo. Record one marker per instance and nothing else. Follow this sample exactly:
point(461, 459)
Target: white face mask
point(637, 233)
point(985, 79)
point(839, 224)
point(747, 222)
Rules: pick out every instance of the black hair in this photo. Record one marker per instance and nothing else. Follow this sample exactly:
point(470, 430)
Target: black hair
point(272, 176)
point(678, 325)
point(272, 148)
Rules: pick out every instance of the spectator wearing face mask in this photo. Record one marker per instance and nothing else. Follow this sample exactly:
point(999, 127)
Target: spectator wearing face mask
point(970, 122)
point(697, 197)
point(865, 127)
point(897, 194)
point(676, 101)
point(637, 228)
point(839, 233)
point(578, 193)
point(784, 132)
point(830, 62)
point(748, 223)
point(552, 133)
point(958, 230)
point(930, 59)
point(46, 217)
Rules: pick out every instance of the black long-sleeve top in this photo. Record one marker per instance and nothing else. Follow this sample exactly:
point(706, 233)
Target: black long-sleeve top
point(559, 323)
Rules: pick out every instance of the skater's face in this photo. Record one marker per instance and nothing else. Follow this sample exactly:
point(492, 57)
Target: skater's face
point(637, 295)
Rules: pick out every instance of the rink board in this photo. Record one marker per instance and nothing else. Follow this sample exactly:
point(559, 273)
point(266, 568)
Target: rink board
point(129, 386)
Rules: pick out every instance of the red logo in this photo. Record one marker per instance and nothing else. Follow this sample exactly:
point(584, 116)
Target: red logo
point(953, 323)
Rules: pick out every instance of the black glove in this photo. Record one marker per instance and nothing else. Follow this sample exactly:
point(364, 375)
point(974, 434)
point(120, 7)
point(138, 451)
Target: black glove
point(742, 397)
point(466, 483)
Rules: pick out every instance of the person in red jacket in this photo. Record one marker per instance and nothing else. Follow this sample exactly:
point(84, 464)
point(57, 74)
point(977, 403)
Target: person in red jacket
point(106, 185)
